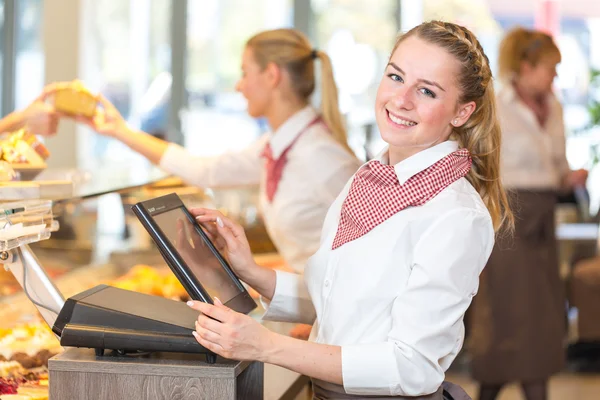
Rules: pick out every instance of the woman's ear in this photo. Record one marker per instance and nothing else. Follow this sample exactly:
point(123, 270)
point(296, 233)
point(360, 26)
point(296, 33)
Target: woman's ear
point(525, 68)
point(273, 73)
point(463, 114)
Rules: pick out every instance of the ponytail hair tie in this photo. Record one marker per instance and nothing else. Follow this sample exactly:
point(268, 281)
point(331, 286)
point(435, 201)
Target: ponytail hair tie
point(314, 54)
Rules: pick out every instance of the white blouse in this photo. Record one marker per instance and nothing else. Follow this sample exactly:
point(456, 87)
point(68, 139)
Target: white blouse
point(533, 157)
point(394, 299)
point(316, 171)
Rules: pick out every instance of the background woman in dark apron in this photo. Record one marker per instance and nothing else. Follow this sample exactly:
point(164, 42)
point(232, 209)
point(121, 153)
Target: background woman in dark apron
point(402, 246)
point(518, 317)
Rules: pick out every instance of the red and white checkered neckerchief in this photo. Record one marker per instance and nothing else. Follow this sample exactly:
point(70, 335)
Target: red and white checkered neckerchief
point(376, 194)
point(274, 166)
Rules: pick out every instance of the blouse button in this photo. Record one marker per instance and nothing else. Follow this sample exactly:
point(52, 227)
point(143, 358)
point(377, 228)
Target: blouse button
point(326, 283)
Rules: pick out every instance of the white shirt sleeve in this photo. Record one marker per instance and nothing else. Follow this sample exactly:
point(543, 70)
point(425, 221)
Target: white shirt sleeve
point(291, 301)
point(229, 169)
point(427, 318)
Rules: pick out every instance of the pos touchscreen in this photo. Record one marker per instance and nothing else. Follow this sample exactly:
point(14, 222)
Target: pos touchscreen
point(192, 257)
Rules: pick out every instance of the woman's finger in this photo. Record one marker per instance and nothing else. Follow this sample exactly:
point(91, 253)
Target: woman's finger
point(235, 228)
point(209, 324)
point(208, 227)
point(210, 310)
point(211, 214)
point(214, 236)
point(214, 347)
point(197, 211)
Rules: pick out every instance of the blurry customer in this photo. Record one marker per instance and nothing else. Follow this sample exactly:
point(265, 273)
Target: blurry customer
point(38, 117)
point(518, 317)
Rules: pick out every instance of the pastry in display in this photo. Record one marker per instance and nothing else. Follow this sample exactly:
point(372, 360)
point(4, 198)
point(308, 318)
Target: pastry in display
point(75, 99)
point(7, 173)
point(11, 369)
point(29, 340)
point(24, 359)
point(30, 386)
point(148, 280)
point(8, 386)
point(23, 147)
point(43, 356)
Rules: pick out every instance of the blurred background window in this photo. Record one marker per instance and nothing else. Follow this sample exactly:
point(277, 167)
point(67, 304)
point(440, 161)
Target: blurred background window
point(215, 119)
point(358, 36)
point(29, 71)
point(126, 47)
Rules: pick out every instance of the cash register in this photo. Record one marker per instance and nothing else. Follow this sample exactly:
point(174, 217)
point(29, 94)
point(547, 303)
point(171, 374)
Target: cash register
point(109, 318)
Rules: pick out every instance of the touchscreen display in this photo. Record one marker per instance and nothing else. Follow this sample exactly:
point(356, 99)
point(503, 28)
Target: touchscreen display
point(204, 265)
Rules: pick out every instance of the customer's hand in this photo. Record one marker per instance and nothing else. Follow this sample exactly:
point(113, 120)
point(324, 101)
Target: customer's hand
point(40, 118)
point(229, 238)
point(576, 178)
point(231, 334)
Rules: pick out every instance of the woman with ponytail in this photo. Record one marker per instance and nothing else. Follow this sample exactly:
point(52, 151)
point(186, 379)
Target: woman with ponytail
point(301, 165)
point(518, 319)
point(402, 246)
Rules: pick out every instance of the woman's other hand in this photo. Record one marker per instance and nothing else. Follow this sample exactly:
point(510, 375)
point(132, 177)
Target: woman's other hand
point(108, 120)
point(229, 238)
point(231, 334)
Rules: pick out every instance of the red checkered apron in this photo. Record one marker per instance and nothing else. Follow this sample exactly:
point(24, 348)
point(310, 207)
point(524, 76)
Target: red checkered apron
point(274, 167)
point(376, 194)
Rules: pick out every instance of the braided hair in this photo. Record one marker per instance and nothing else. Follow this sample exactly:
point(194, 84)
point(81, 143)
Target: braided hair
point(481, 133)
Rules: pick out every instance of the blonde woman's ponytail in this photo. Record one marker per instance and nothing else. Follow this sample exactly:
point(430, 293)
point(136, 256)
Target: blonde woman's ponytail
point(329, 100)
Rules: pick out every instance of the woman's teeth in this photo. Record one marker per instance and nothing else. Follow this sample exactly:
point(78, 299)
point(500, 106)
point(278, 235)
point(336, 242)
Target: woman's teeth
point(401, 121)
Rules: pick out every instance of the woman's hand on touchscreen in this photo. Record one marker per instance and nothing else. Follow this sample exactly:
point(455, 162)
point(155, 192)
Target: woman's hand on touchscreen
point(229, 238)
point(231, 334)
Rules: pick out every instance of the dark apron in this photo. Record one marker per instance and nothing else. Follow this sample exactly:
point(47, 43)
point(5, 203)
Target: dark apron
point(517, 322)
point(328, 391)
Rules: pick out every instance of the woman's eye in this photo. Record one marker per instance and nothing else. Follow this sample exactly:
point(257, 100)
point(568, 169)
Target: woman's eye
point(395, 77)
point(428, 92)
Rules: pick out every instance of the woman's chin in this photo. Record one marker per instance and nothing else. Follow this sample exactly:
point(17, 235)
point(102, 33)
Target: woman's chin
point(254, 113)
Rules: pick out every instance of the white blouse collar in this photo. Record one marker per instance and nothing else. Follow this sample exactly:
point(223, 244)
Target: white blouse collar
point(416, 163)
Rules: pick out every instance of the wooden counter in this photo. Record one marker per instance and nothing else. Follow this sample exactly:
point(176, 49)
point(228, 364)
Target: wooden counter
point(80, 374)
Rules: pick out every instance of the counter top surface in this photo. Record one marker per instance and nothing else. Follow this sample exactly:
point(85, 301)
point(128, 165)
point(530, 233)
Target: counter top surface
point(177, 364)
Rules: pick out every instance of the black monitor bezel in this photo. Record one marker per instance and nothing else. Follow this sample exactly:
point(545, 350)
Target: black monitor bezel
point(146, 210)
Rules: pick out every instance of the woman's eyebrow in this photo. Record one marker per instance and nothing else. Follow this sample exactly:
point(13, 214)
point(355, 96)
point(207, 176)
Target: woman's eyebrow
point(430, 83)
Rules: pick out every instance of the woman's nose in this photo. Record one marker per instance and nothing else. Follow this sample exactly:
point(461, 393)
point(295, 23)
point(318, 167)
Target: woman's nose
point(403, 98)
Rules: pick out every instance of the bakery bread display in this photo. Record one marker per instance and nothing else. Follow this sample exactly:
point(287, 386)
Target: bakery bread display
point(22, 147)
point(28, 344)
point(74, 98)
point(148, 280)
point(27, 349)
